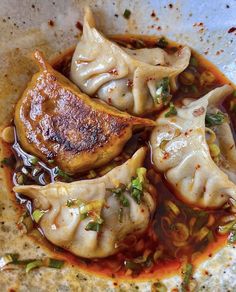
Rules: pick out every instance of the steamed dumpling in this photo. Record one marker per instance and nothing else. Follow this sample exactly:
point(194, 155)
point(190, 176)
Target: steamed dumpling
point(125, 78)
point(55, 120)
point(180, 150)
point(110, 216)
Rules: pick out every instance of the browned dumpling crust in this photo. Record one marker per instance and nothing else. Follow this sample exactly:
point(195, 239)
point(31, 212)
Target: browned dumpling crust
point(55, 120)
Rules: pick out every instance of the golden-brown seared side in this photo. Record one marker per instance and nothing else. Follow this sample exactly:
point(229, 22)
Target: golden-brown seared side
point(55, 120)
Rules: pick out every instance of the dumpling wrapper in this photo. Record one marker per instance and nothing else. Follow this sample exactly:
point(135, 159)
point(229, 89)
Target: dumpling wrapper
point(124, 78)
point(62, 225)
point(180, 151)
point(54, 120)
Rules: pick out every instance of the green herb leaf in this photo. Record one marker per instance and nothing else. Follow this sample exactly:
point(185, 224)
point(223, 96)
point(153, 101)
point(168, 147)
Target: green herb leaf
point(162, 43)
point(7, 259)
point(37, 215)
point(62, 174)
point(127, 13)
point(119, 193)
point(32, 265)
point(187, 273)
point(172, 111)
point(163, 91)
point(214, 119)
point(33, 160)
point(93, 226)
point(137, 184)
point(132, 265)
point(54, 263)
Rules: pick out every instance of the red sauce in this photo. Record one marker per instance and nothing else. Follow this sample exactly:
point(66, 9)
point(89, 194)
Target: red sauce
point(163, 257)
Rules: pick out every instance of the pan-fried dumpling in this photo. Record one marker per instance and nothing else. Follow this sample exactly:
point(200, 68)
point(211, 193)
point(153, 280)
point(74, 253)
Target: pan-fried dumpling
point(130, 80)
point(198, 162)
point(91, 218)
point(54, 120)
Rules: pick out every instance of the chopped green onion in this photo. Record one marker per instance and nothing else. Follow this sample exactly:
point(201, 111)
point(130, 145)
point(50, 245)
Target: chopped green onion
point(93, 226)
point(232, 237)
point(20, 178)
point(62, 174)
point(7, 259)
point(163, 91)
point(127, 13)
point(162, 43)
point(187, 273)
point(131, 265)
point(54, 263)
point(37, 215)
point(137, 184)
point(119, 193)
point(193, 61)
point(32, 265)
point(172, 111)
point(214, 119)
point(70, 203)
point(51, 161)
point(227, 227)
point(33, 160)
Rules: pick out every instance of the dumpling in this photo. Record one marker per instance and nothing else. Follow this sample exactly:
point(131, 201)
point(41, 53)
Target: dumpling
point(198, 162)
point(127, 79)
point(54, 120)
point(91, 218)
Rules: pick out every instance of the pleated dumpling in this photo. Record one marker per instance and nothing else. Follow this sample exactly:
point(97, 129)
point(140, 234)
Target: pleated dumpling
point(130, 80)
point(91, 218)
point(195, 150)
point(56, 121)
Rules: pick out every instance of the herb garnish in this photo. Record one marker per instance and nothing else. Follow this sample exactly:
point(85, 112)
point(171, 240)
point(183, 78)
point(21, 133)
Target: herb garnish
point(187, 273)
point(214, 119)
point(137, 184)
point(163, 91)
point(94, 226)
point(127, 13)
point(172, 111)
point(119, 194)
point(37, 215)
point(162, 43)
point(30, 263)
point(62, 174)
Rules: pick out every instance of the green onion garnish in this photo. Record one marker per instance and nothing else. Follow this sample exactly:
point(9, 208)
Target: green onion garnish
point(32, 265)
point(187, 273)
point(37, 215)
point(172, 111)
point(163, 91)
point(127, 13)
point(137, 184)
point(62, 174)
point(93, 226)
point(33, 160)
point(214, 119)
point(55, 264)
